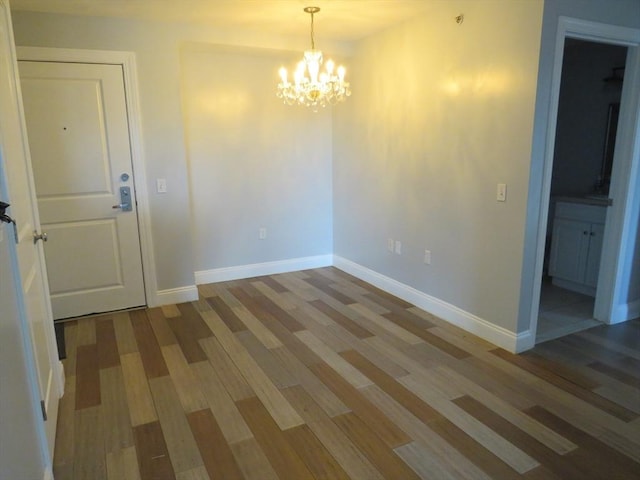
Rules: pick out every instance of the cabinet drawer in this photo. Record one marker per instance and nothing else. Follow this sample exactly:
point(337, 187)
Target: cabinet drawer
point(582, 212)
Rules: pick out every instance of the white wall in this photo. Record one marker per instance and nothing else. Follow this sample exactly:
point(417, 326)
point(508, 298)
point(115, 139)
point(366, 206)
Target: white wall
point(253, 162)
point(157, 58)
point(234, 224)
point(441, 114)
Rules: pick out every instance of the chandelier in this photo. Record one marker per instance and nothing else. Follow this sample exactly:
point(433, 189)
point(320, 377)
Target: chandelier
point(311, 87)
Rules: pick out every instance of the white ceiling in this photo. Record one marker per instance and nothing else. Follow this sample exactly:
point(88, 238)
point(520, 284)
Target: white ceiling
point(340, 20)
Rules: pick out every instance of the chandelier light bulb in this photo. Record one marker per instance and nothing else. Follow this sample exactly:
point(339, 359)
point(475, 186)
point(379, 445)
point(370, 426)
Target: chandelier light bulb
point(312, 87)
point(283, 75)
point(329, 66)
point(299, 74)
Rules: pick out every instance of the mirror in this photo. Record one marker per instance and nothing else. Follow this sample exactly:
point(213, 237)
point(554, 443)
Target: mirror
point(609, 145)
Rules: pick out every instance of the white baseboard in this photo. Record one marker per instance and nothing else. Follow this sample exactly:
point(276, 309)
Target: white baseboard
point(633, 310)
point(626, 311)
point(261, 269)
point(48, 474)
point(176, 295)
point(524, 341)
point(190, 293)
point(493, 333)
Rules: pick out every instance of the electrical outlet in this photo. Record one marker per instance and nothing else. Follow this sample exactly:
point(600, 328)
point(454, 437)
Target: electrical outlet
point(427, 257)
point(161, 185)
point(398, 247)
point(262, 233)
point(390, 244)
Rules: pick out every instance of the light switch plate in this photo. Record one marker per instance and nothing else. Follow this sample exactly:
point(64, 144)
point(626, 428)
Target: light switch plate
point(501, 194)
point(161, 185)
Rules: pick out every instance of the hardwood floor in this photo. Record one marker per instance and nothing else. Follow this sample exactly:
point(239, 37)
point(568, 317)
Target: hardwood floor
point(318, 375)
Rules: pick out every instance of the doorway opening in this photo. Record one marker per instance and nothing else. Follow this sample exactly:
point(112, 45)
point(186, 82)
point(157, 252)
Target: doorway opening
point(588, 108)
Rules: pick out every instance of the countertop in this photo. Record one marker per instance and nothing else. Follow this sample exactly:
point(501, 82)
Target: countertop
point(600, 200)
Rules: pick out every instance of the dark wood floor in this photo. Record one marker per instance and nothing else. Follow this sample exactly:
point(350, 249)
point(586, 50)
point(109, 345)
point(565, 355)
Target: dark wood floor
point(317, 375)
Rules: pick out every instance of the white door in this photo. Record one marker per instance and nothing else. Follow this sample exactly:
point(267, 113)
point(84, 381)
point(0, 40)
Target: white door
point(19, 419)
point(35, 308)
point(80, 148)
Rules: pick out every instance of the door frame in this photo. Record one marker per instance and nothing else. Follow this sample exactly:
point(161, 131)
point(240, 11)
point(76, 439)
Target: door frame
point(620, 226)
point(127, 60)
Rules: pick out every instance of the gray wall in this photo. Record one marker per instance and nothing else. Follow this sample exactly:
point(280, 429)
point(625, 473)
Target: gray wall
point(159, 77)
point(442, 114)
point(582, 114)
point(243, 178)
point(253, 162)
point(625, 13)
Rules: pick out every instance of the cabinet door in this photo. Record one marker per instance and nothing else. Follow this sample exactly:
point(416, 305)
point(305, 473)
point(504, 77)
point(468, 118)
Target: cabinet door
point(592, 268)
point(569, 249)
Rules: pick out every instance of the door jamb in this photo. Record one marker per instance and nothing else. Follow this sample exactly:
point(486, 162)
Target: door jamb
point(127, 60)
point(627, 147)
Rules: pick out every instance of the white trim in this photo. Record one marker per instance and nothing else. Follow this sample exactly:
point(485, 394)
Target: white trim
point(72, 55)
point(61, 377)
point(625, 312)
point(619, 233)
point(48, 474)
point(128, 62)
point(261, 269)
point(597, 32)
point(615, 235)
point(471, 323)
point(176, 295)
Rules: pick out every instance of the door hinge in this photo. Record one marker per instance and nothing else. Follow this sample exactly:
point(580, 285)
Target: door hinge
point(44, 410)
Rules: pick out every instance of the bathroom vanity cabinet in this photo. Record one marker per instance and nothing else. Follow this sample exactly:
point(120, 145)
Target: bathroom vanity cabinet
point(576, 245)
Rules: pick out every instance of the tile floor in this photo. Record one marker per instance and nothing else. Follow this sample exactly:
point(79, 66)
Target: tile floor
point(563, 312)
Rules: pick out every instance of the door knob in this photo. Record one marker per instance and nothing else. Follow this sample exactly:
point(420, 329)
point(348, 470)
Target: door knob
point(125, 200)
point(39, 236)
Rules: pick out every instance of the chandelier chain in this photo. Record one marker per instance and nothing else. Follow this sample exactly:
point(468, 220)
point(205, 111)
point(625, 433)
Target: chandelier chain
point(313, 43)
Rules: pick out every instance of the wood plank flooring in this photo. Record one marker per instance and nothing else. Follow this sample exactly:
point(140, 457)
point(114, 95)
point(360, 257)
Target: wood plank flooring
point(318, 375)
